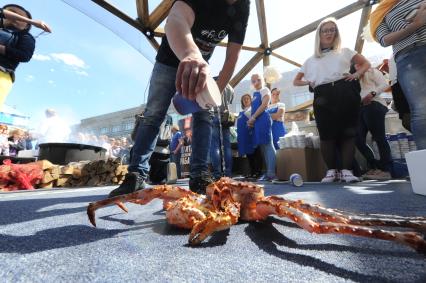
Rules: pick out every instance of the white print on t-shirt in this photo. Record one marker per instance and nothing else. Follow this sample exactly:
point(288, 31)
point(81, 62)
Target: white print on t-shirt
point(206, 47)
point(213, 34)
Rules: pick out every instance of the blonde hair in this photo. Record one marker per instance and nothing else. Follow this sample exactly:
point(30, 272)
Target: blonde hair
point(260, 77)
point(17, 132)
point(337, 39)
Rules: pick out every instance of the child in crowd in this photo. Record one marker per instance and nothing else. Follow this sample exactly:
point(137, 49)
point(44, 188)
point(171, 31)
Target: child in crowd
point(4, 143)
point(16, 142)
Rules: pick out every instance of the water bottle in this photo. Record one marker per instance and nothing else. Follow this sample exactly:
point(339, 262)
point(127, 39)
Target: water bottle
point(209, 97)
point(185, 106)
point(394, 146)
point(296, 180)
point(411, 143)
point(404, 146)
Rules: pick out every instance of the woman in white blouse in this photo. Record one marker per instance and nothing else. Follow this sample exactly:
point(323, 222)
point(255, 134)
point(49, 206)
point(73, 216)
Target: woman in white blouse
point(336, 98)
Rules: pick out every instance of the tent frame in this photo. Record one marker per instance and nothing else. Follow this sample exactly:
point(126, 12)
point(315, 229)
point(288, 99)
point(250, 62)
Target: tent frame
point(148, 24)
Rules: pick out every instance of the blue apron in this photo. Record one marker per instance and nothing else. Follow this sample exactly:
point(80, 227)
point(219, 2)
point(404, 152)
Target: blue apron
point(278, 128)
point(263, 123)
point(244, 135)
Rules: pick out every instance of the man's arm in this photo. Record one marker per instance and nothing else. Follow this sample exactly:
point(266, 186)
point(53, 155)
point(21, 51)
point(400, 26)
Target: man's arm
point(193, 69)
point(16, 17)
point(232, 54)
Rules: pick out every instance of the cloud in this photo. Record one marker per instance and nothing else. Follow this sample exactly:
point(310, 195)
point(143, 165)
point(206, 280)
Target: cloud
point(82, 73)
point(29, 78)
point(70, 60)
point(40, 57)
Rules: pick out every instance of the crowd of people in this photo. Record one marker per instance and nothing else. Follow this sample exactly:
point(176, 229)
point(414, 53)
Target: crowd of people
point(14, 140)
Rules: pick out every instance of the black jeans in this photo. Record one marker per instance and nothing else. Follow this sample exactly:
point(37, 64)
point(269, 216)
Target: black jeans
point(256, 162)
point(372, 119)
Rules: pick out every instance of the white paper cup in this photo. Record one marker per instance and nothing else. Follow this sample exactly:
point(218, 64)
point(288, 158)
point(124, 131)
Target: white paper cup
point(210, 96)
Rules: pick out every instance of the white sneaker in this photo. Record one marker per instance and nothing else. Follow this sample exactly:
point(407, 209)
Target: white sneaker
point(348, 177)
point(331, 176)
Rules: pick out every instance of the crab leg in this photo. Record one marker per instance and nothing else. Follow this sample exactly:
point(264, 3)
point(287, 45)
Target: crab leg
point(337, 216)
point(215, 221)
point(315, 225)
point(138, 197)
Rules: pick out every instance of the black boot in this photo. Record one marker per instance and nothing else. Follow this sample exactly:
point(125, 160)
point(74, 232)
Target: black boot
point(199, 184)
point(132, 183)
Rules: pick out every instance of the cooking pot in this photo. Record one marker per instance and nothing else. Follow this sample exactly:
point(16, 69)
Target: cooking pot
point(64, 153)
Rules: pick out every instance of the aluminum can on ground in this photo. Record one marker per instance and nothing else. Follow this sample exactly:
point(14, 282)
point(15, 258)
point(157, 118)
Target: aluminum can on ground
point(296, 180)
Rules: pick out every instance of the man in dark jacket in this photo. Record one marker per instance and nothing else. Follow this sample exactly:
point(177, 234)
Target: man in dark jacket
point(16, 43)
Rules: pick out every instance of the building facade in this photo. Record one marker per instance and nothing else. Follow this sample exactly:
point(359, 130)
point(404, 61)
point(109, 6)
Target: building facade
point(115, 124)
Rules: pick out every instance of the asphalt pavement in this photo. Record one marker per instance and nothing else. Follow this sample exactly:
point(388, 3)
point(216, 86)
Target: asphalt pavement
point(45, 236)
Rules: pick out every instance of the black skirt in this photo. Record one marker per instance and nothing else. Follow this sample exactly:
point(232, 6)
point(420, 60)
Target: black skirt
point(336, 109)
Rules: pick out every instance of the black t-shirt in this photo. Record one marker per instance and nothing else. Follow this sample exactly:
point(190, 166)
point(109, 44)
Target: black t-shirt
point(214, 20)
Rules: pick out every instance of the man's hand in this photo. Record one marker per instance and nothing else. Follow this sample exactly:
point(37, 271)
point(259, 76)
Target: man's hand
point(41, 25)
point(191, 76)
point(367, 99)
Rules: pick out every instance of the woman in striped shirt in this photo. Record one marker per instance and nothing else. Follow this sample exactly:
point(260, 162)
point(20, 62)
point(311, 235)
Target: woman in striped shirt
point(402, 24)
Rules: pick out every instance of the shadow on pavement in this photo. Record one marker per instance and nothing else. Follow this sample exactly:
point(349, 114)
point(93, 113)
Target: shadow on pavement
point(17, 211)
point(55, 238)
point(268, 239)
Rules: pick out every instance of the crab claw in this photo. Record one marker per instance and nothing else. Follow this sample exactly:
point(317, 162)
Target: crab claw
point(95, 205)
point(211, 224)
point(122, 206)
point(200, 232)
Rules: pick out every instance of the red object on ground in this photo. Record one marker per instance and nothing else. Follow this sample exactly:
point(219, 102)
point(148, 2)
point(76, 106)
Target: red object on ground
point(19, 176)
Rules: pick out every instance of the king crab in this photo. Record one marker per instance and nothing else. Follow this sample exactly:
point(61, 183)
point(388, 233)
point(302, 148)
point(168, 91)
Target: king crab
point(226, 201)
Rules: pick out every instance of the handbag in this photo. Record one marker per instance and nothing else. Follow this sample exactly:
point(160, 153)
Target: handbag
point(227, 119)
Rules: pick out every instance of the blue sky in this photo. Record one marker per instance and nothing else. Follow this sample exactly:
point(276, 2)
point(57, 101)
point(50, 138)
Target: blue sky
point(83, 69)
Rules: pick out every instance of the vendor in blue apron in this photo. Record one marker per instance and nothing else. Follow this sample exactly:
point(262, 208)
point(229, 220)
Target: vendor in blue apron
point(277, 110)
point(261, 121)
